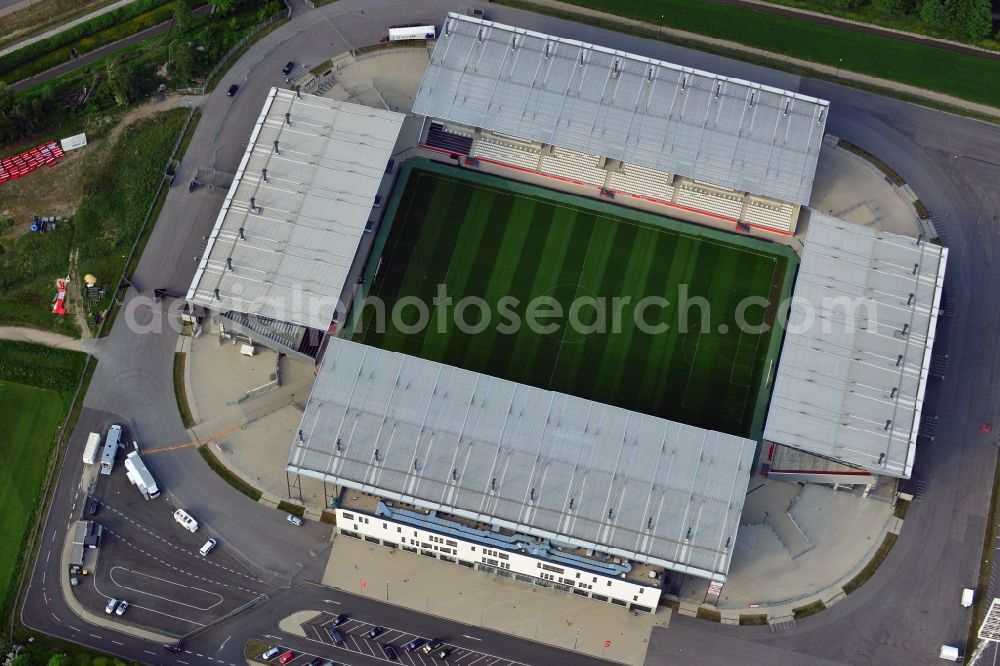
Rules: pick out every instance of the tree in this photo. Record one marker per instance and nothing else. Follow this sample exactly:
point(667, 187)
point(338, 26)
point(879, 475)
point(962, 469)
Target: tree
point(182, 61)
point(893, 7)
point(849, 4)
point(120, 80)
point(932, 11)
point(6, 100)
point(182, 16)
point(980, 22)
point(60, 660)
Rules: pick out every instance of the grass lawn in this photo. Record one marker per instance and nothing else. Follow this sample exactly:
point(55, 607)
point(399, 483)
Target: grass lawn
point(116, 196)
point(31, 418)
point(494, 239)
point(923, 66)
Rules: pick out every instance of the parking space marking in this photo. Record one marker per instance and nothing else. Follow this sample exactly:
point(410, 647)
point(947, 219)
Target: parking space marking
point(111, 575)
point(178, 569)
point(355, 635)
point(183, 550)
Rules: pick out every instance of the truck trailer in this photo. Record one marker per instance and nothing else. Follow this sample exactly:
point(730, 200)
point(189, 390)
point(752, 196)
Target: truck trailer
point(90, 450)
point(110, 449)
point(139, 475)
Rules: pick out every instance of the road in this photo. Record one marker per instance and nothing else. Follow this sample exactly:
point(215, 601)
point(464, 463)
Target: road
point(908, 609)
point(97, 54)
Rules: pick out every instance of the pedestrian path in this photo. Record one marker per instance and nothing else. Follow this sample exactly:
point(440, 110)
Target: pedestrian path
point(48, 338)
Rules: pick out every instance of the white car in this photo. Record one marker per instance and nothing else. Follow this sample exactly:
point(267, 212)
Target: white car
point(111, 606)
point(294, 520)
point(269, 653)
point(207, 548)
point(122, 607)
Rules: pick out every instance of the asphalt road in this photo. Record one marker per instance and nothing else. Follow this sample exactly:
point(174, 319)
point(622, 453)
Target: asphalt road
point(97, 54)
point(908, 609)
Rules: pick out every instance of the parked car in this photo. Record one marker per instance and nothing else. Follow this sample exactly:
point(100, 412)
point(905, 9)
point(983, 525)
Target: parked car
point(111, 606)
point(287, 69)
point(122, 607)
point(373, 632)
point(233, 89)
point(207, 548)
point(433, 645)
point(338, 620)
point(95, 506)
point(269, 653)
point(390, 652)
point(335, 637)
point(74, 581)
point(294, 520)
point(287, 657)
point(414, 644)
point(315, 661)
point(443, 654)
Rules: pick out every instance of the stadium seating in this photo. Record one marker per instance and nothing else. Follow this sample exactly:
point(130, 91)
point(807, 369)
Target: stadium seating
point(445, 139)
point(716, 203)
point(776, 217)
point(506, 153)
point(15, 166)
point(635, 179)
point(579, 167)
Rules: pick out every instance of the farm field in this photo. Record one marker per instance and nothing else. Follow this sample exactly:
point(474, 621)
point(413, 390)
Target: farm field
point(502, 241)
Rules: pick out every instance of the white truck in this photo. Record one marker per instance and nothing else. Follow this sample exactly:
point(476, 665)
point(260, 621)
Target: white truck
point(950, 653)
point(90, 450)
point(186, 519)
point(138, 474)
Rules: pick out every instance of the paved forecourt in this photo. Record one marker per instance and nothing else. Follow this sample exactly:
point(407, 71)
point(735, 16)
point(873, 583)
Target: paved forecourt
point(487, 237)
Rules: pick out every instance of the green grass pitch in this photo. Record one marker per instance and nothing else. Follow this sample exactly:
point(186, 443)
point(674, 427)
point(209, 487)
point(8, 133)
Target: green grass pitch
point(486, 237)
point(32, 417)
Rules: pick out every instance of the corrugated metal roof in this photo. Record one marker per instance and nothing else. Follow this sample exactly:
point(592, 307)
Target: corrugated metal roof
point(742, 135)
point(548, 464)
point(290, 258)
point(857, 349)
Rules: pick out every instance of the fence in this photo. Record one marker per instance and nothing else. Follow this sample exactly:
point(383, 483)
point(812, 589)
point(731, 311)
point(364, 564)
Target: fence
point(203, 88)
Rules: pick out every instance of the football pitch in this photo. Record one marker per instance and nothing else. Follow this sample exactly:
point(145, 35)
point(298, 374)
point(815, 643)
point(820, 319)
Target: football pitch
point(638, 311)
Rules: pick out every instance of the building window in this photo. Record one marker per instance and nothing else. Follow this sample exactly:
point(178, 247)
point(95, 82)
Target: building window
point(385, 526)
point(635, 597)
point(595, 579)
point(577, 574)
point(348, 516)
point(453, 544)
point(399, 530)
point(549, 567)
point(609, 583)
point(503, 556)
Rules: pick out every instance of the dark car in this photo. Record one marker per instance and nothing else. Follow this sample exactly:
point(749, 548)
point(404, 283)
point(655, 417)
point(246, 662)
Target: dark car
point(315, 661)
point(288, 68)
point(390, 652)
point(373, 632)
point(338, 620)
point(335, 637)
point(233, 89)
point(443, 654)
point(414, 644)
point(95, 506)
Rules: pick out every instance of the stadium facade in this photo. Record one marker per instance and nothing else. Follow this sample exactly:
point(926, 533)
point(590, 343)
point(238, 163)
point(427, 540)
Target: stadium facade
point(518, 481)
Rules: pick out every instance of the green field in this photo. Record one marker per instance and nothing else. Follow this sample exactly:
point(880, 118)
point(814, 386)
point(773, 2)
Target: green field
point(36, 387)
point(31, 418)
point(491, 238)
point(924, 66)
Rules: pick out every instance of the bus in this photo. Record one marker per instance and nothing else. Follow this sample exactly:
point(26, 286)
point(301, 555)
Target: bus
point(402, 33)
point(110, 449)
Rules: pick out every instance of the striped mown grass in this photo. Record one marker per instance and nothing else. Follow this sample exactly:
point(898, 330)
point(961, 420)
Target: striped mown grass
point(499, 243)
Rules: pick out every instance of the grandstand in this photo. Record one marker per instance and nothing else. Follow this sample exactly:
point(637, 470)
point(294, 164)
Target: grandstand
point(856, 357)
point(622, 124)
point(278, 259)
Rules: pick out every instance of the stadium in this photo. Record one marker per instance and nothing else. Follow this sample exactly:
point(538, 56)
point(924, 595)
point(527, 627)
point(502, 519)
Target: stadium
point(633, 210)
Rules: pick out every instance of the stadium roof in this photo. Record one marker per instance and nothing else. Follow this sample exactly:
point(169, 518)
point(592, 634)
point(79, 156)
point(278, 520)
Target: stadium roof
point(289, 259)
point(547, 464)
point(856, 355)
point(742, 135)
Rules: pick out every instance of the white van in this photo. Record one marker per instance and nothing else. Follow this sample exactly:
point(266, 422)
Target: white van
point(950, 653)
point(967, 597)
point(186, 519)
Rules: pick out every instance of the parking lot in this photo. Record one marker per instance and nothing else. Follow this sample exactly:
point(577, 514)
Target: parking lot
point(355, 641)
point(148, 559)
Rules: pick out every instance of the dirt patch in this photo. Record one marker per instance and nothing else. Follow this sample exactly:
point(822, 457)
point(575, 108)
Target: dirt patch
point(59, 189)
